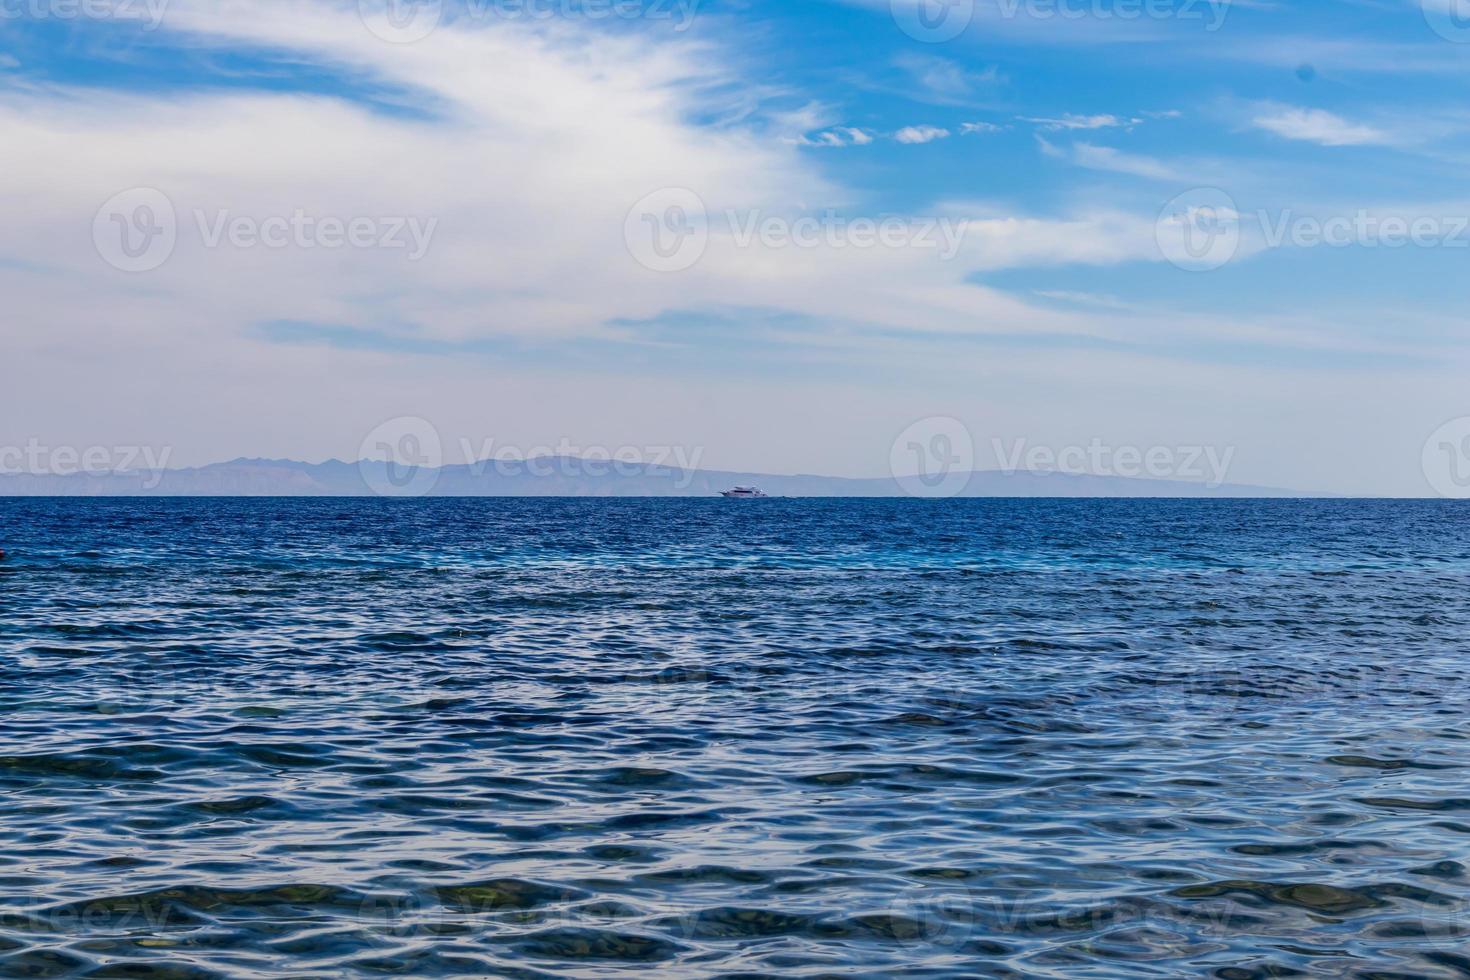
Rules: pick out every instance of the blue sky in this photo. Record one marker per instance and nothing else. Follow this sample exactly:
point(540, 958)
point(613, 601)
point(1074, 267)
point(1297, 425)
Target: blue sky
point(1060, 142)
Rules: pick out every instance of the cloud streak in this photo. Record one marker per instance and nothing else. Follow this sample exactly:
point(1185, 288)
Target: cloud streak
point(915, 135)
point(1318, 126)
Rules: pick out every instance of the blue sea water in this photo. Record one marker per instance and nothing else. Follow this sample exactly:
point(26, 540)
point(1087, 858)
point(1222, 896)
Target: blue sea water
point(687, 738)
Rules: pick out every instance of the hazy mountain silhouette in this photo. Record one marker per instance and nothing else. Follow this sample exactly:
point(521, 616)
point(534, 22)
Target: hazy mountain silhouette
point(571, 477)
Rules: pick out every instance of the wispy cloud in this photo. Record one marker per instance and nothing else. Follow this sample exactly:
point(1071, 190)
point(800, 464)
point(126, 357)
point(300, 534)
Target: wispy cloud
point(921, 134)
point(1318, 126)
point(1069, 121)
point(493, 168)
point(533, 144)
point(1116, 161)
point(843, 136)
point(1082, 298)
point(943, 81)
point(835, 137)
point(1107, 158)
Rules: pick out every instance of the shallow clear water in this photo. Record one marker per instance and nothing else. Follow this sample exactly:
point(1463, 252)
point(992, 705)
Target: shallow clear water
point(708, 738)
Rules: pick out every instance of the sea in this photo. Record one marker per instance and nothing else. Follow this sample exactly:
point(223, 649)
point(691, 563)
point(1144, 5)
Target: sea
point(538, 738)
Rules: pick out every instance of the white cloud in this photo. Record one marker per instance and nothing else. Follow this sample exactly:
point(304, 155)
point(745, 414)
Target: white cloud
point(792, 124)
point(920, 134)
point(1116, 161)
point(1318, 126)
point(539, 144)
point(943, 81)
point(1069, 121)
point(908, 135)
point(1081, 298)
point(9, 61)
point(837, 136)
point(536, 144)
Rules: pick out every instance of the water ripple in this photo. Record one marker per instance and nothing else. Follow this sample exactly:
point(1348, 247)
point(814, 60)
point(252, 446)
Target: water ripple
point(792, 738)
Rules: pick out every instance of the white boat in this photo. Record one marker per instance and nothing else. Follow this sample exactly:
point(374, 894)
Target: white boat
point(744, 493)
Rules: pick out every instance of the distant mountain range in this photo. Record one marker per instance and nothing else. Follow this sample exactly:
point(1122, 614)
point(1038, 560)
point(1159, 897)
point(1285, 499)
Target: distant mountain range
point(568, 477)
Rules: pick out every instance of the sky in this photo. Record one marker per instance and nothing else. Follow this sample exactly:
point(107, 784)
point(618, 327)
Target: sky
point(789, 237)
